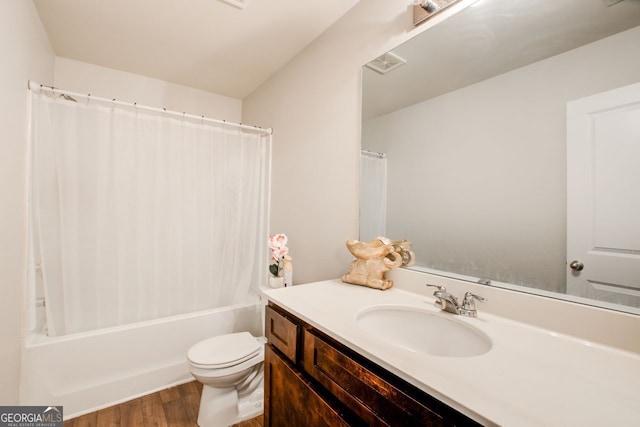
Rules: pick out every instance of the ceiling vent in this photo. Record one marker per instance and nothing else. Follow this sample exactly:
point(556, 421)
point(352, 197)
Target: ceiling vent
point(238, 3)
point(385, 63)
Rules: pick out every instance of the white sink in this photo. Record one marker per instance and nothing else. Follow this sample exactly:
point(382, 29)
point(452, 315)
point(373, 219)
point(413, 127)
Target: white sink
point(424, 332)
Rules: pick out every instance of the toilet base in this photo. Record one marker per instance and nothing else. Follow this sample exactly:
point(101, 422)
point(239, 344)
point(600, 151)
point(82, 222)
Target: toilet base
point(252, 405)
point(221, 407)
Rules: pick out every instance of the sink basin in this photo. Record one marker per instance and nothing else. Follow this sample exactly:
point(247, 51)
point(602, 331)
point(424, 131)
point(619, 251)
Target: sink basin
point(424, 332)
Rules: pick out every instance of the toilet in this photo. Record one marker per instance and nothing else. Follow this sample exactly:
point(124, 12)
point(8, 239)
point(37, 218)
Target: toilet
point(230, 367)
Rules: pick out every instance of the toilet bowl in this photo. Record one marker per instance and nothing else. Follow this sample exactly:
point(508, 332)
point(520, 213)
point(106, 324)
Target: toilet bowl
point(230, 369)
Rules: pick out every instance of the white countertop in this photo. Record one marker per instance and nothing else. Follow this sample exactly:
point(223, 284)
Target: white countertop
point(530, 377)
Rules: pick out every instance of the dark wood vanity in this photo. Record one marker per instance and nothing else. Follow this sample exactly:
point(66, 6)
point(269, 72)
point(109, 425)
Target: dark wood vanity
point(313, 380)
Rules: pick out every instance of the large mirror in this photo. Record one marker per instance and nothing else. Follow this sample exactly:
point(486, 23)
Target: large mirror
point(471, 133)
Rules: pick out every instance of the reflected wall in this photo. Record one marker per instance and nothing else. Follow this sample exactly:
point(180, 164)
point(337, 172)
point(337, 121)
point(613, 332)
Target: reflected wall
point(477, 177)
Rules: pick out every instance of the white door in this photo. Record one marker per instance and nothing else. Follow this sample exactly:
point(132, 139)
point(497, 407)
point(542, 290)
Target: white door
point(603, 196)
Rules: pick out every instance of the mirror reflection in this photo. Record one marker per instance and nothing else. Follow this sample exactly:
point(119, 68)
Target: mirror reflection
point(504, 146)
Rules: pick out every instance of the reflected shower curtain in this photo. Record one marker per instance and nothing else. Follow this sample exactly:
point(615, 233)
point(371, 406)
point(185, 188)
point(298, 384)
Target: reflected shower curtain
point(373, 196)
point(137, 215)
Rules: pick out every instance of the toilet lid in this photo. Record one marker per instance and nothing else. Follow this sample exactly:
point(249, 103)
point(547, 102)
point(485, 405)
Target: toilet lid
point(224, 350)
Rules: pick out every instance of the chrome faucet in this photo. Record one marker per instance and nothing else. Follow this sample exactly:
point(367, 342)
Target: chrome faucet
point(449, 303)
point(445, 301)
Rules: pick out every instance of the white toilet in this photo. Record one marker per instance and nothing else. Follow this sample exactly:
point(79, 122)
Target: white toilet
point(230, 367)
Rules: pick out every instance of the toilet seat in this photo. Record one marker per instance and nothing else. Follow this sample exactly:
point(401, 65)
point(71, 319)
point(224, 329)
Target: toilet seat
point(230, 371)
point(224, 351)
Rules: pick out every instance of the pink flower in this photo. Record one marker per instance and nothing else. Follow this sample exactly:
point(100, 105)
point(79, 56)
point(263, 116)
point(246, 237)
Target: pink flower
point(278, 245)
point(277, 254)
point(277, 241)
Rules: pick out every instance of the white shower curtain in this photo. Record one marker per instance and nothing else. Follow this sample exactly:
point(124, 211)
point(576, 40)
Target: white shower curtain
point(373, 196)
point(138, 215)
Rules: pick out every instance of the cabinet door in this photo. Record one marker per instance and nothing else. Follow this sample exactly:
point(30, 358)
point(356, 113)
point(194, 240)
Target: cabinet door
point(289, 398)
point(373, 399)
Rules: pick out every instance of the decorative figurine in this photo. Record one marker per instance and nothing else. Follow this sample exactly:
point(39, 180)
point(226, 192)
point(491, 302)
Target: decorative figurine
point(374, 259)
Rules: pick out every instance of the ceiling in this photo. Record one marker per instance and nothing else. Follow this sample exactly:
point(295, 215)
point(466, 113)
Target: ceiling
point(205, 44)
point(487, 39)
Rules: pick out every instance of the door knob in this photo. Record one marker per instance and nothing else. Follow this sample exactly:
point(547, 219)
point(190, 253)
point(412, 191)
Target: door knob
point(576, 265)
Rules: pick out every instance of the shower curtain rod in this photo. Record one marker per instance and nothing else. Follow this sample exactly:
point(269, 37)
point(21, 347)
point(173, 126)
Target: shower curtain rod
point(374, 154)
point(33, 86)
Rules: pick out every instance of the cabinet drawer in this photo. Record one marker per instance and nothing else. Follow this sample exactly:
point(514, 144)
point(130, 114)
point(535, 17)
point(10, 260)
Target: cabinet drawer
point(282, 333)
point(374, 400)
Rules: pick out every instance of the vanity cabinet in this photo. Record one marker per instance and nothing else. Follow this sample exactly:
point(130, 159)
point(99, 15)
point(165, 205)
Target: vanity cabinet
point(313, 380)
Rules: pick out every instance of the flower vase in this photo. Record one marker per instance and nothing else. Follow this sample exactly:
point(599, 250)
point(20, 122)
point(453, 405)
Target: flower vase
point(276, 281)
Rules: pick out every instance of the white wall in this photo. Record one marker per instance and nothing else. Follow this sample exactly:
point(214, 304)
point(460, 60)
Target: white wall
point(26, 54)
point(484, 173)
point(313, 106)
point(81, 77)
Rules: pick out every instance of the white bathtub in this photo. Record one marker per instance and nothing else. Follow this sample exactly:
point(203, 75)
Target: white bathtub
point(92, 370)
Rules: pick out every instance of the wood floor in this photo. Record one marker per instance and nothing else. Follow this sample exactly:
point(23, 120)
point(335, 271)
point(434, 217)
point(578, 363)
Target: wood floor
point(173, 407)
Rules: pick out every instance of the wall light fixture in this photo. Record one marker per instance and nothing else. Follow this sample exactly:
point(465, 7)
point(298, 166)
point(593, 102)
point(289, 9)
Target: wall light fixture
point(425, 9)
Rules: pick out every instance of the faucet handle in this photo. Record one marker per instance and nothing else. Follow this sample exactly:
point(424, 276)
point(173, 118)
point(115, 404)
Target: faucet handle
point(440, 288)
point(440, 294)
point(468, 304)
point(469, 298)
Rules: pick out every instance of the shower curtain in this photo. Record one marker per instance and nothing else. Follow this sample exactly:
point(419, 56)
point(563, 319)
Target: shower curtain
point(137, 215)
point(373, 195)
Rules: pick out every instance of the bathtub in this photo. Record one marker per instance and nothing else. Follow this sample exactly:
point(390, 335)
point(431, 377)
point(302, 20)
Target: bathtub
point(88, 371)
